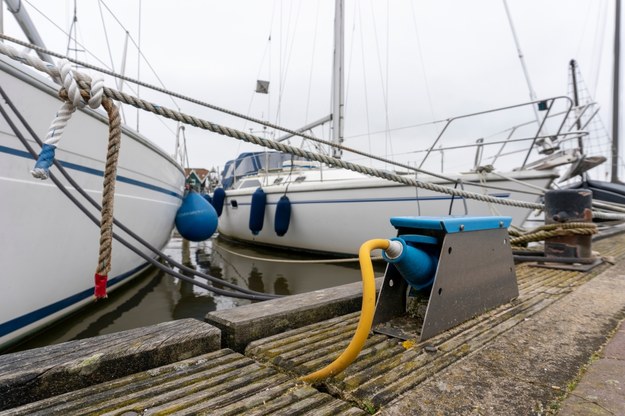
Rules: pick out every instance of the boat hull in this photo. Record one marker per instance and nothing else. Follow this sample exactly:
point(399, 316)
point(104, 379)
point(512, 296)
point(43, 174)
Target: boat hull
point(48, 247)
point(337, 218)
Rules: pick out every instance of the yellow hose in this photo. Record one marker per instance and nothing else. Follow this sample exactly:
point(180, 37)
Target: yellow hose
point(366, 314)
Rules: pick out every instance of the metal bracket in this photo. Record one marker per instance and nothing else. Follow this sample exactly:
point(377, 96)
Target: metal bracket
point(475, 274)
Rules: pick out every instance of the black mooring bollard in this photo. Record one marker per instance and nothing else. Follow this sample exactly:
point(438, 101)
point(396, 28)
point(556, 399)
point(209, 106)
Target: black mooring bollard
point(566, 206)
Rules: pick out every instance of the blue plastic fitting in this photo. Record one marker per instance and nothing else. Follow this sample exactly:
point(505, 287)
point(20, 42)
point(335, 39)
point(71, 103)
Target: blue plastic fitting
point(417, 267)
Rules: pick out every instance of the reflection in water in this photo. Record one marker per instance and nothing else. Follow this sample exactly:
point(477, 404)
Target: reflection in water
point(155, 297)
point(281, 286)
point(255, 281)
point(267, 270)
point(190, 305)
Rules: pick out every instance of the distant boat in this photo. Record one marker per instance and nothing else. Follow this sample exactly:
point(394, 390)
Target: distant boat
point(334, 211)
point(48, 248)
point(612, 191)
point(303, 205)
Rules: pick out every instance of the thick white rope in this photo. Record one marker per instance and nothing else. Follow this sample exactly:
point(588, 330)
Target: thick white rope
point(69, 83)
point(249, 138)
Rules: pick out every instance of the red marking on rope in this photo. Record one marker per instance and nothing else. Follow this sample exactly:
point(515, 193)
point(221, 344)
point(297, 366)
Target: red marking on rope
point(100, 286)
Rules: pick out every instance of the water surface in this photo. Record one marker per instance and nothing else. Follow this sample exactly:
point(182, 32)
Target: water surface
point(156, 297)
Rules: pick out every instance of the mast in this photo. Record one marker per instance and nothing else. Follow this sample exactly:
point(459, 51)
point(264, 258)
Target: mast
point(338, 78)
point(573, 66)
point(27, 26)
point(615, 92)
point(521, 58)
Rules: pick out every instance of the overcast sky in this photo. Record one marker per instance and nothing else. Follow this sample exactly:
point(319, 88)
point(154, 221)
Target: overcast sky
point(406, 63)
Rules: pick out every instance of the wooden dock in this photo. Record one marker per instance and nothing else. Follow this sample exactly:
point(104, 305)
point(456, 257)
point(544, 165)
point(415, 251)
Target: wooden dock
point(521, 358)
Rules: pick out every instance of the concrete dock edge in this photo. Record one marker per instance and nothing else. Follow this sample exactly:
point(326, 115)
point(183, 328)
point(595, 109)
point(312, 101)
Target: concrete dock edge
point(527, 370)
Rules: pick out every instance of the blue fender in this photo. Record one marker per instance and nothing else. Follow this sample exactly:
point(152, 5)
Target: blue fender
point(219, 197)
point(257, 210)
point(196, 219)
point(283, 216)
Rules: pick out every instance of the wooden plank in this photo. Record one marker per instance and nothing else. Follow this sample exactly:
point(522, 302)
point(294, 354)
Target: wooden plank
point(44, 372)
point(222, 382)
point(244, 324)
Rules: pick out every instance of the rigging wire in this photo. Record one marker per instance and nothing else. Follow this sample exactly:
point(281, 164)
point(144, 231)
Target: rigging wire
point(312, 64)
point(138, 47)
point(72, 28)
point(108, 70)
point(250, 138)
point(289, 43)
point(244, 293)
point(600, 29)
point(364, 76)
point(159, 109)
point(291, 261)
point(106, 36)
point(266, 52)
point(388, 92)
point(383, 79)
point(139, 62)
point(421, 59)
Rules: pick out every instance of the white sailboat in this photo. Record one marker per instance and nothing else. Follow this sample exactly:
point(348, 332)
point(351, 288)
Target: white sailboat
point(332, 210)
point(48, 247)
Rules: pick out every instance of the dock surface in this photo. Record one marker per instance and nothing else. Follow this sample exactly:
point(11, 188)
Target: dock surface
point(546, 352)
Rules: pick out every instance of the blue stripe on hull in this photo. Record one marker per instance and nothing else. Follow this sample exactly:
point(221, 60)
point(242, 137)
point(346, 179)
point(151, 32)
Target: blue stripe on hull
point(80, 168)
point(39, 314)
point(367, 200)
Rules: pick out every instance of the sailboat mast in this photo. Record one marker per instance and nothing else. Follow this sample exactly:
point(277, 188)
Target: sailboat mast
point(615, 92)
point(27, 26)
point(573, 67)
point(338, 78)
point(522, 60)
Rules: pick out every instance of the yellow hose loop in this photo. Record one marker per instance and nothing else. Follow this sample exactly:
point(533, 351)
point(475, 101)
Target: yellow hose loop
point(366, 314)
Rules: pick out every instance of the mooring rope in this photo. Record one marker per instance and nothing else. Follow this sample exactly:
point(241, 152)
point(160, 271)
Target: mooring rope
point(553, 230)
point(75, 96)
point(249, 138)
point(37, 63)
point(610, 216)
point(72, 99)
point(217, 108)
point(108, 196)
point(291, 261)
point(241, 293)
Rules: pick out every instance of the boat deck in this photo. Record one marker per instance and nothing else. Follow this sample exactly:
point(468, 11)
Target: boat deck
point(521, 358)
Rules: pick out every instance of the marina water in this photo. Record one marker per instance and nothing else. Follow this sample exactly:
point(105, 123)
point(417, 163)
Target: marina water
point(156, 297)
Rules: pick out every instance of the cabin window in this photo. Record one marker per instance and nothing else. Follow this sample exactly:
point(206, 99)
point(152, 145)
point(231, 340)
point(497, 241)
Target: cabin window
point(300, 179)
point(278, 181)
point(254, 183)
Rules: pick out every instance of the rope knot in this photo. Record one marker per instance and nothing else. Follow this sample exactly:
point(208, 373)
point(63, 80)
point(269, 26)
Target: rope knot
point(96, 93)
point(72, 95)
point(91, 91)
point(485, 169)
point(69, 83)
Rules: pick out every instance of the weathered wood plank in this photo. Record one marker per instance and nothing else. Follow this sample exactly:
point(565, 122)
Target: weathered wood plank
point(44, 372)
point(391, 376)
point(218, 383)
point(242, 325)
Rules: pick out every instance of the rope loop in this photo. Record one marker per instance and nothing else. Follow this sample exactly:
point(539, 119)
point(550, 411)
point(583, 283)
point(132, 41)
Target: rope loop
point(69, 83)
point(39, 64)
point(553, 230)
point(108, 196)
point(485, 169)
point(97, 93)
point(73, 97)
